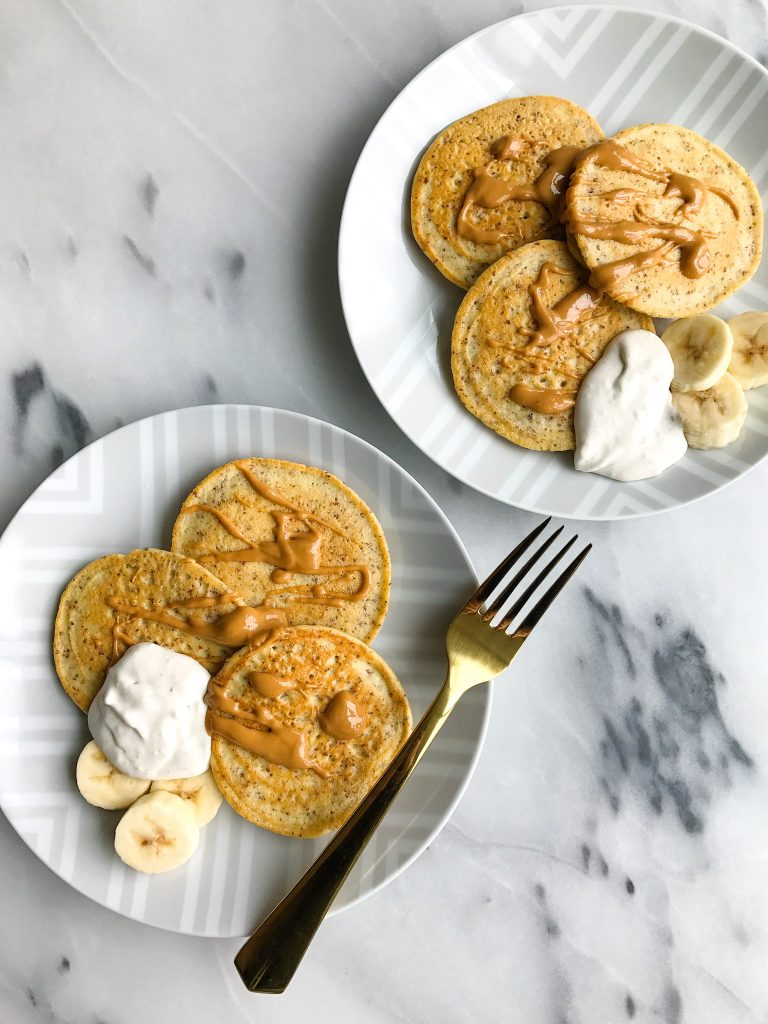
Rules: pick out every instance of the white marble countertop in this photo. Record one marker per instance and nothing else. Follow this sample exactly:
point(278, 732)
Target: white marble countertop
point(173, 175)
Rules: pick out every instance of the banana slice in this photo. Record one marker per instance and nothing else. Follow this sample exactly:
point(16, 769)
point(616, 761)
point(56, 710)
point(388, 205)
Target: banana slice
point(102, 785)
point(749, 362)
point(701, 348)
point(200, 792)
point(712, 418)
point(158, 833)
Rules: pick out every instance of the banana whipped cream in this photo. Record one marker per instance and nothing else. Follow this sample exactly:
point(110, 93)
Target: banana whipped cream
point(626, 425)
point(149, 717)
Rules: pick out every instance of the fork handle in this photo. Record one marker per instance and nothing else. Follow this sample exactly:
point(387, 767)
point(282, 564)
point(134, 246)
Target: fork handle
point(269, 959)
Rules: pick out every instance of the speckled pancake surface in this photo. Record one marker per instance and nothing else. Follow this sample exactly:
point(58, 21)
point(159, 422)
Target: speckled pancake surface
point(492, 327)
point(350, 540)
point(734, 236)
point(542, 123)
point(321, 662)
point(147, 578)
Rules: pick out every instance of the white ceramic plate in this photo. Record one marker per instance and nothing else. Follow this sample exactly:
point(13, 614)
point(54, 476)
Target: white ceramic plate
point(625, 67)
point(123, 492)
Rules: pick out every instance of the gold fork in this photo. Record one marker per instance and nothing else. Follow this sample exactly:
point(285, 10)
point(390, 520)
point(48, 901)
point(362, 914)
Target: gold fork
point(479, 648)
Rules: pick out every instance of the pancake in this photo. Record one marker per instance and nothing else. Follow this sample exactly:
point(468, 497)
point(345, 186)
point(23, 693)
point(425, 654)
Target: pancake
point(729, 217)
point(320, 663)
point(261, 549)
point(83, 642)
point(491, 355)
point(536, 125)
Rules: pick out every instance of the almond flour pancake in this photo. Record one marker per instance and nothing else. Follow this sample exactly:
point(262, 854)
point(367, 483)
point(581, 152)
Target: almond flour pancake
point(692, 213)
point(524, 338)
point(292, 687)
point(89, 634)
point(508, 142)
point(291, 537)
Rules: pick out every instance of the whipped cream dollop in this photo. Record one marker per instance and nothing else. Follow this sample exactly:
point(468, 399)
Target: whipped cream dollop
point(626, 426)
point(149, 717)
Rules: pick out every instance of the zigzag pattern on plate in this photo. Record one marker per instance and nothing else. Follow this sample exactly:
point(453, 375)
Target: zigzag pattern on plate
point(626, 68)
point(123, 492)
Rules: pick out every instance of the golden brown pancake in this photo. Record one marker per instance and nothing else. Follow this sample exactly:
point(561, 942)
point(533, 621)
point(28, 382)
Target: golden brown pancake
point(320, 663)
point(235, 531)
point(492, 355)
point(730, 218)
point(535, 125)
point(89, 634)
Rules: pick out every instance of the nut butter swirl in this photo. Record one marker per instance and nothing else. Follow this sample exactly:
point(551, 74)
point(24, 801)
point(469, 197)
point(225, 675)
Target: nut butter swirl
point(680, 244)
point(255, 728)
point(291, 552)
point(258, 730)
point(269, 684)
point(546, 400)
point(490, 191)
point(677, 239)
point(554, 323)
point(344, 716)
point(237, 628)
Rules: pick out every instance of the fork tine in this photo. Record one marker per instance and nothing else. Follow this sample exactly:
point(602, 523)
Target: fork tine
point(518, 606)
point(501, 600)
point(486, 588)
point(544, 602)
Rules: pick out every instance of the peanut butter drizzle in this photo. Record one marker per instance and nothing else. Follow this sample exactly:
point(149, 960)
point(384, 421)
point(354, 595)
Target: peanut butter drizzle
point(694, 259)
point(278, 499)
point(553, 323)
point(266, 737)
point(318, 593)
point(490, 191)
point(237, 628)
point(509, 147)
point(560, 320)
point(691, 243)
point(119, 637)
point(209, 601)
point(614, 157)
point(343, 717)
point(546, 400)
point(610, 276)
point(267, 684)
point(693, 193)
point(290, 552)
point(537, 362)
point(584, 355)
point(211, 664)
point(624, 195)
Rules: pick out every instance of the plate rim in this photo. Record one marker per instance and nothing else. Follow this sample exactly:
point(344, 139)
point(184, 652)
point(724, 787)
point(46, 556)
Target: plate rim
point(495, 26)
point(471, 762)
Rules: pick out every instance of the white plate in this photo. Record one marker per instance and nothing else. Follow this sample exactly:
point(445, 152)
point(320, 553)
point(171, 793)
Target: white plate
point(625, 67)
point(123, 492)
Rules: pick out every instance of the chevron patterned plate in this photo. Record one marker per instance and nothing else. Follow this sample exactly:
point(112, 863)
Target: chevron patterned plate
point(625, 67)
point(122, 492)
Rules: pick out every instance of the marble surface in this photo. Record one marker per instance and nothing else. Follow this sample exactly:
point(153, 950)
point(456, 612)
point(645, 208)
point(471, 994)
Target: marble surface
point(173, 178)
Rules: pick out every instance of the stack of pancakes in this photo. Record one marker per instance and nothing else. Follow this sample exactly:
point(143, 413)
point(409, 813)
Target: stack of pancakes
point(509, 146)
point(331, 615)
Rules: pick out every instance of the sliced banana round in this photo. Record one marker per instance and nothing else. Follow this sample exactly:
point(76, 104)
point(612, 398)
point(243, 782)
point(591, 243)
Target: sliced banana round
point(158, 833)
point(201, 793)
point(102, 785)
point(749, 361)
point(701, 348)
point(712, 418)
